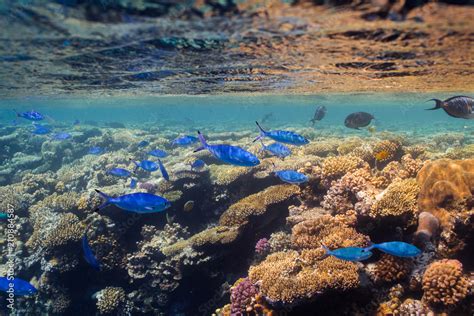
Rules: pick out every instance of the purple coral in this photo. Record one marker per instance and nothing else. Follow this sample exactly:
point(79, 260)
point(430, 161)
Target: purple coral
point(262, 246)
point(241, 296)
point(149, 187)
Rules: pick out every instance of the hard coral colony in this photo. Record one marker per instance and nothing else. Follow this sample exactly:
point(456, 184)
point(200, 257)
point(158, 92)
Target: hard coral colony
point(180, 211)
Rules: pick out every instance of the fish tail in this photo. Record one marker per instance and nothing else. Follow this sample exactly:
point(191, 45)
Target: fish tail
point(370, 246)
point(106, 203)
point(262, 132)
point(326, 249)
point(203, 142)
point(136, 165)
point(16, 113)
point(438, 104)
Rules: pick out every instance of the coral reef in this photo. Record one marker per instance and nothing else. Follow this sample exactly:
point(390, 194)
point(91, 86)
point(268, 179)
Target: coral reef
point(444, 283)
point(390, 269)
point(111, 301)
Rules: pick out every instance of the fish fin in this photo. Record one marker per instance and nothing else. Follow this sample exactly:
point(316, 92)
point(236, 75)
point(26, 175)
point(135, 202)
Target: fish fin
point(199, 149)
point(106, 203)
point(370, 246)
point(136, 165)
point(326, 249)
point(262, 132)
point(438, 104)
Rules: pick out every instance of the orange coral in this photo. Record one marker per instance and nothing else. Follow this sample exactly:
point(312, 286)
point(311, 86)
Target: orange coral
point(443, 181)
point(390, 269)
point(444, 283)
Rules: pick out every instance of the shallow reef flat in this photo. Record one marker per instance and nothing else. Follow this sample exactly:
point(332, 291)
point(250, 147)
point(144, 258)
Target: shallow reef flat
point(238, 240)
point(234, 46)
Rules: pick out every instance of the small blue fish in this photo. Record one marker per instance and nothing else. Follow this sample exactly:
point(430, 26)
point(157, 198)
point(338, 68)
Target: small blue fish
point(291, 176)
point(163, 171)
point(30, 115)
point(20, 287)
point(119, 172)
point(143, 143)
point(88, 254)
point(184, 140)
point(147, 165)
point(349, 253)
point(95, 150)
point(61, 136)
point(136, 202)
point(41, 130)
point(133, 183)
point(397, 248)
point(286, 137)
point(233, 155)
point(197, 164)
point(277, 149)
point(158, 153)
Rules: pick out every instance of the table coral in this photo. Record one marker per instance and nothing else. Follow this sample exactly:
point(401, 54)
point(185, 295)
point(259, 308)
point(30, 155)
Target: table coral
point(444, 283)
point(399, 199)
point(283, 277)
point(257, 204)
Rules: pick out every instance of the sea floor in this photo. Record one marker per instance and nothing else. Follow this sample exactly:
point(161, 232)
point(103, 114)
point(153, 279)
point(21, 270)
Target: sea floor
point(238, 239)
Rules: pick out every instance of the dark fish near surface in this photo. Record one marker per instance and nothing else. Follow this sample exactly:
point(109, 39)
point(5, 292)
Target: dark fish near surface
point(136, 202)
point(291, 176)
point(458, 106)
point(397, 248)
point(358, 119)
point(158, 153)
point(184, 140)
point(88, 254)
point(119, 172)
point(349, 253)
point(286, 137)
point(20, 287)
point(30, 115)
point(163, 171)
point(319, 114)
point(233, 155)
point(147, 165)
point(277, 149)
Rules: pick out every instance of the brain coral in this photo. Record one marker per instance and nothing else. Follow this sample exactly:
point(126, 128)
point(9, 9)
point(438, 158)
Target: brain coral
point(284, 277)
point(444, 283)
point(444, 181)
point(398, 199)
point(328, 230)
point(257, 204)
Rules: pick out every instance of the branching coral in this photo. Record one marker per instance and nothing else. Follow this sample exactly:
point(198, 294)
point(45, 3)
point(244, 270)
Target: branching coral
point(110, 300)
point(444, 283)
point(284, 277)
point(257, 204)
point(399, 199)
point(390, 269)
point(68, 230)
point(241, 295)
point(335, 167)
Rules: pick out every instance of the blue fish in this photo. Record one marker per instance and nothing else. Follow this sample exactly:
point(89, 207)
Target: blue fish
point(76, 122)
point(397, 248)
point(61, 136)
point(158, 153)
point(95, 150)
point(147, 165)
point(30, 115)
point(349, 253)
point(119, 172)
point(277, 149)
point(197, 164)
point(20, 287)
point(291, 176)
point(136, 202)
point(143, 143)
point(184, 140)
point(41, 130)
point(286, 137)
point(233, 155)
point(133, 183)
point(88, 254)
point(163, 171)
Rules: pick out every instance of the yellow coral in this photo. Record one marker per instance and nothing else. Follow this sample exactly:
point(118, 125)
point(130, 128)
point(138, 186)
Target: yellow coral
point(285, 277)
point(225, 175)
point(336, 167)
point(397, 200)
point(68, 230)
point(444, 283)
point(257, 204)
point(110, 299)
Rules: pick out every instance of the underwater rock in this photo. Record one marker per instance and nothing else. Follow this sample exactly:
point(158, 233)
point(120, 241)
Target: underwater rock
point(428, 226)
point(444, 283)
